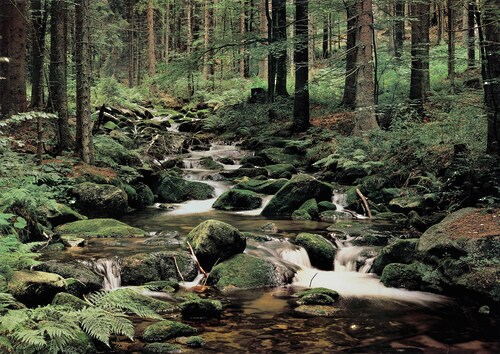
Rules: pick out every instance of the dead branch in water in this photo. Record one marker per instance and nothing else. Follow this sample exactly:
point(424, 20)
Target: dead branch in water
point(365, 203)
point(196, 260)
point(178, 270)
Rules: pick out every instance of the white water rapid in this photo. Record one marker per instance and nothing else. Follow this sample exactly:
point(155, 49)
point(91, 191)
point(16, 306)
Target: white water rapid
point(109, 269)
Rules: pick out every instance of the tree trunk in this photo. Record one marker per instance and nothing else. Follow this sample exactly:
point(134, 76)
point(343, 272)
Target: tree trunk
point(242, 36)
point(167, 31)
point(440, 24)
point(365, 105)
point(57, 70)
point(271, 59)
point(208, 67)
point(281, 71)
point(491, 73)
point(83, 60)
point(131, 30)
point(471, 35)
point(451, 41)
point(263, 34)
point(325, 37)
point(399, 28)
point(301, 58)
point(39, 15)
point(13, 46)
point(151, 40)
point(349, 100)
point(419, 80)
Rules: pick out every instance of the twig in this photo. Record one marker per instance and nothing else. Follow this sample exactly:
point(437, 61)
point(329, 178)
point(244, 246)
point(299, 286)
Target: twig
point(208, 274)
point(196, 260)
point(365, 203)
point(178, 271)
point(314, 276)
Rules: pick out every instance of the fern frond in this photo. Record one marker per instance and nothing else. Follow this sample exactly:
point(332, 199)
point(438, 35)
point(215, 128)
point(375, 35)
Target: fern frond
point(29, 338)
point(5, 345)
point(100, 324)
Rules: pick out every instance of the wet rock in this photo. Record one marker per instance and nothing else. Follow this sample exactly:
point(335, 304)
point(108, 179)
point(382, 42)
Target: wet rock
point(317, 310)
point(89, 280)
point(210, 164)
point(334, 216)
point(238, 199)
point(113, 153)
point(70, 301)
point(214, 240)
point(277, 156)
point(161, 348)
point(174, 189)
point(310, 207)
point(60, 214)
point(269, 227)
point(142, 197)
point(244, 272)
point(34, 288)
point(301, 214)
point(415, 276)
point(166, 329)
point(254, 160)
point(99, 228)
point(245, 172)
point(293, 194)
point(194, 126)
point(263, 186)
point(321, 251)
point(99, 200)
point(195, 342)
point(226, 161)
point(317, 296)
point(196, 309)
point(143, 267)
point(326, 206)
point(399, 251)
point(277, 171)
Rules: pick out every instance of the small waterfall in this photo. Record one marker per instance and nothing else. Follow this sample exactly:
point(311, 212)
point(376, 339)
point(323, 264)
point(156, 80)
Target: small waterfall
point(339, 199)
point(295, 255)
point(346, 259)
point(110, 270)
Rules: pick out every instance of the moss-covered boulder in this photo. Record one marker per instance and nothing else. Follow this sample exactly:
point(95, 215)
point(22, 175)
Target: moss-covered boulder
point(250, 172)
point(301, 214)
point(238, 199)
point(60, 214)
point(398, 251)
point(89, 280)
point(195, 342)
point(198, 308)
point(310, 207)
point(161, 348)
point(293, 194)
point(276, 155)
point(210, 164)
point(279, 170)
point(134, 295)
point(406, 204)
point(254, 160)
point(317, 296)
point(244, 272)
point(140, 196)
point(326, 205)
point(167, 329)
point(99, 200)
point(174, 189)
point(70, 301)
point(99, 228)
point(321, 251)
point(141, 268)
point(34, 288)
point(399, 275)
point(112, 152)
point(317, 310)
point(262, 186)
point(214, 240)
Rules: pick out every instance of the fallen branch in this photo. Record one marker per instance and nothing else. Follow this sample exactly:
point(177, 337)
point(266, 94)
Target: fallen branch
point(178, 270)
point(196, 260)
point(365, 203)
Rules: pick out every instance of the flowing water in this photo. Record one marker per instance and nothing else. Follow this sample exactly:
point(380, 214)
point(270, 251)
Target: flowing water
point(369, 318)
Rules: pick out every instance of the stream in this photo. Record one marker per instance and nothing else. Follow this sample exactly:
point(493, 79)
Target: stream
point(369, 318)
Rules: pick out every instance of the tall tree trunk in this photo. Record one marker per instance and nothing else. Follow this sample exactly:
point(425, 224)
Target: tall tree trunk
point(167, 31)
point(471, 35)
point(263, 34)
point(325, 39)
point(189, 44)
point(57, 70)
point(130, 44)
point(208, 67)
point(419, 80)
point(399, 28)
point(151, 39)
point(301, 58)
point(349, 100)
point(451, 41)
point(13, 47)
point(271, 59)
point(281, 71)
point(39, 15)
point(440, 19)
point(491, 72)
point(365, 105)
point(83, 61)
point(242, 34)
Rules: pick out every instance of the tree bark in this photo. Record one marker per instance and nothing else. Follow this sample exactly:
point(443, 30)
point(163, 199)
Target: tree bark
point(39, 15)
point(13, 46)
point(167, 31)
point(419, 78)
point(301, 58)
point(365, 105)
point(131, 49)
point(208, 67)
point(242, 36)
point(281, 71)
point(57, 70)
point(263, 34)
point(399, 28)
point(451, 41)
point(491, 73)
point(83, 60)
point(349, 100)
point(151, 40)
point(471, 35)
point(271, 59)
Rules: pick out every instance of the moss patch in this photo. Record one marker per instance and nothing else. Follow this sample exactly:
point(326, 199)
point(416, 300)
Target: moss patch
point(99, 228)
point(166, 329)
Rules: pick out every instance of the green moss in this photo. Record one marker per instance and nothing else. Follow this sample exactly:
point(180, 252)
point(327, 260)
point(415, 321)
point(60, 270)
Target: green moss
point(201, 309)
point(238, 199)
point(69, 301)
point(210, 164)
point(167, 329)
point(399, 275)
point(321, 252)
point(315, 291)
point(326, 205)
point(399, 251)
point(112, 152)
point(35, 288)
point(195, 342)
point(316, 299)
point(99, 200)
point(99, 228)
point(277, 156)
point(244, 272)
point(301, 214)
point(174, 189)
point(161, 348)
point(142, 196)
point(263, 186)
point(311, 207)
point(276, 171)
point(88, 279)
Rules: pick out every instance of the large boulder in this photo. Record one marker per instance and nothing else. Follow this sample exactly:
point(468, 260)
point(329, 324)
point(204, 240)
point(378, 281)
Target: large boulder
point(99, 228)
point(321, 251)
point(214, 240)
point(139, 196)
point(238, 199)
point(293, 194)
point(464, 247)
point(99, 200)
point(167, 329)
point(262, 186)
point(276, 155)
point(112, 152)
point(60, 214)
point(281, 170)
point(174, 189)
point(250, 172)
point(245, 272)
point(197, 308)
point(400, 251)
point(89, 280)
point(34, 288)
point(141, 268)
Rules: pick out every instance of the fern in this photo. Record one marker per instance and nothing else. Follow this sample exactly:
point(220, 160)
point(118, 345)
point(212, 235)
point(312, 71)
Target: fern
point(6, 345)
point(101, 324)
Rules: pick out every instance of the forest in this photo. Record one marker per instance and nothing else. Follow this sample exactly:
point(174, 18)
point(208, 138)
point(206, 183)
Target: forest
point(234, 176)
